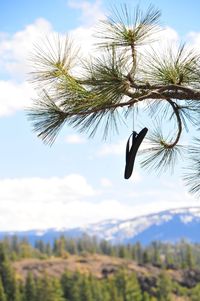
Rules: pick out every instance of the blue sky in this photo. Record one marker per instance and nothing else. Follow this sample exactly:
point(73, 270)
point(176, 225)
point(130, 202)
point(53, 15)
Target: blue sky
point(77, 180)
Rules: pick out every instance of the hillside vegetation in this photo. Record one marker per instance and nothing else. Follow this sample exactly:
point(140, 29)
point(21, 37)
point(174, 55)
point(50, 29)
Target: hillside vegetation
point(87, 270)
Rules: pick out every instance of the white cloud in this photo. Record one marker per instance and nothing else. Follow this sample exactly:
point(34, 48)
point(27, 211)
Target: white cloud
point(84, 35)
point(37, 215)
point(106, 209)
point(117, 148)
point(15, 92)
point(166, 37)
point(14, 96)
point(40, 215)
point(15, 49)
point(194, 39)
point(75, 139)
point(90, 12)
point(115, 209)
point(106, 182)
point(69, 188)
point(83, 40)
point(29, 203)
point(136, 177)
point(41, 202)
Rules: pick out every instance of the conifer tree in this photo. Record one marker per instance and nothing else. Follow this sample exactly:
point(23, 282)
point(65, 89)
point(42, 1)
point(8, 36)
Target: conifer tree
point(8, 280)
point(85, 289)
point(57, 290)
point(18, 294)
point(48, 289)
point(40, 246)
point(71, 286)
point(30, 288)
point(15, 244)
point(146, 257)
point(164, 287)
point(138, 252)
point(128, 286)
point(133, 288)
point(170, 262)
point(3, 254)
point(145, 297)
point(153, 298)
point(195, 294)
point(114, 294)
point(189, 257)
point(2, 292)
point(156, 260)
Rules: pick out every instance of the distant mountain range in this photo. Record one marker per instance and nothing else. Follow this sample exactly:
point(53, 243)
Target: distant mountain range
point(166, 226)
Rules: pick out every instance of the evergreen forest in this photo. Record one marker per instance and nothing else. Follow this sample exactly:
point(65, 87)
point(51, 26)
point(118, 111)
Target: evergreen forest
point(85, 269)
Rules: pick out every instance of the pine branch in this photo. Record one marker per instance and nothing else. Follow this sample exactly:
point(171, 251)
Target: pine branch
point(47, 118)
point(124, 30)
point(162, 155)
point(192, 175)
point(120, 77)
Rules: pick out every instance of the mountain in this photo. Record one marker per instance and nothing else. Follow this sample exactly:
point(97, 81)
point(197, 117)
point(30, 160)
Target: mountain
point(167, 226)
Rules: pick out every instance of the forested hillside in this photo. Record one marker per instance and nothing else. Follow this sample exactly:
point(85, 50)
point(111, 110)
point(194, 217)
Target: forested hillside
point(85, 269)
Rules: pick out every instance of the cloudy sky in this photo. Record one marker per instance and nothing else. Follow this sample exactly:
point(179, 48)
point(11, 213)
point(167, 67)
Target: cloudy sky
point(77, 180)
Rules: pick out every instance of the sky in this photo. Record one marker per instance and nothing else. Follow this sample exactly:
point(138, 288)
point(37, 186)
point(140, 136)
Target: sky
point(77, 180)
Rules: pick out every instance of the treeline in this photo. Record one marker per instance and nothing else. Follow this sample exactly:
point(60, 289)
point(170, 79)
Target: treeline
point(122, 285)
point(164, 255)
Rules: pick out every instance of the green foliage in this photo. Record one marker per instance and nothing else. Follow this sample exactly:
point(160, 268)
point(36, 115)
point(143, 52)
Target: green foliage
point(48, 289)
point(159, 156)
point(30, 288)
point(195, 294)
point(85, 289)
point(146, 297)
point(164, 287)
point(2, 292)
point(127, 284)
point(169, 256)
point(121, 76)
point(191, 178)
point(8, 280)
point(122, 284)
point(178, 67)
point(125, 29)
